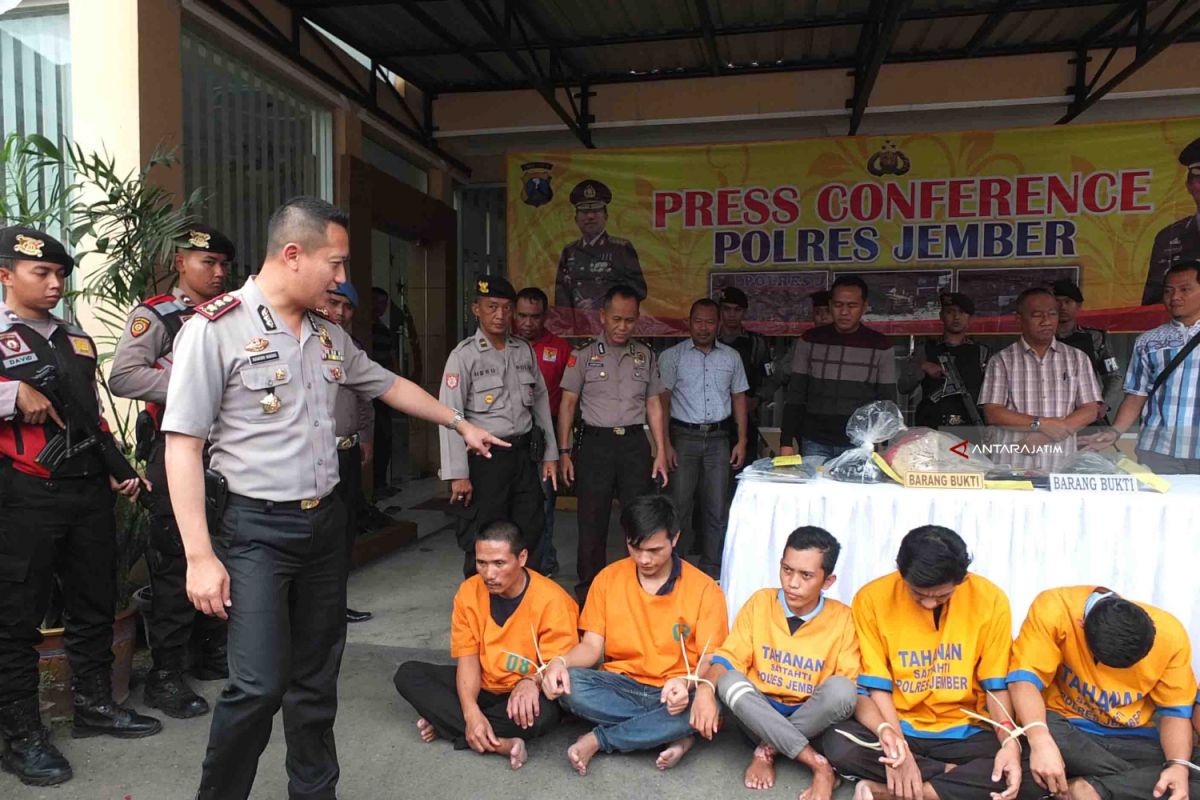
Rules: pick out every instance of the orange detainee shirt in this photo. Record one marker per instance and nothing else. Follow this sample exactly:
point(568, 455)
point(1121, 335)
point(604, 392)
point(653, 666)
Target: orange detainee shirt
point(1052, 653)
point(507, 653)
point(642, 632)
point(788, 667)
point(934, 671)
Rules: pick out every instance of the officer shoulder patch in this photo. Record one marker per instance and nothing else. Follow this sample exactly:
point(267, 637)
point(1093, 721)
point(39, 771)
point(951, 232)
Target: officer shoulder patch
point(139, 326)
point(218, 307)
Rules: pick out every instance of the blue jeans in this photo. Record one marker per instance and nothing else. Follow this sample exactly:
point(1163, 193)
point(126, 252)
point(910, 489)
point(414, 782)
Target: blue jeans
point(628, 714)
point(810, 449)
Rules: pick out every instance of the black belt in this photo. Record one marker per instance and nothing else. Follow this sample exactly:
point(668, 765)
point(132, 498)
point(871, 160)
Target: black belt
point(307, 504)
point(620, 430)
point(705, 427)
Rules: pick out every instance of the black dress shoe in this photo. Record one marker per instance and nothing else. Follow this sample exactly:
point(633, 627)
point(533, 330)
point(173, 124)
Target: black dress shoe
point(30, 755)
point(357, 616)
point(97, 714)
point(167, 691)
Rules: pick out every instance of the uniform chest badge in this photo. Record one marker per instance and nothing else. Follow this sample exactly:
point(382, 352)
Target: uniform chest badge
point(82, 346)
point(639, 358)
point(550, 354)
point(139, 326)
point(257, 345)
point(595, 361)
point(270, 404)
point(326, 339)
point(489, 399)
point(11, 344)
point(332, 355)
point(336, 373)
point(451, 380)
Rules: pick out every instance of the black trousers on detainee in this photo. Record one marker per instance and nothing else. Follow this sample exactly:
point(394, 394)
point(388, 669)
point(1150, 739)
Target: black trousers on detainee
point(432, 690)
point(287, 630)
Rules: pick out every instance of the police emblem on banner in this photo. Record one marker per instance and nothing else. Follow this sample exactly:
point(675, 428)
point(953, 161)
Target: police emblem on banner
point(535, 183)
point(890, 160)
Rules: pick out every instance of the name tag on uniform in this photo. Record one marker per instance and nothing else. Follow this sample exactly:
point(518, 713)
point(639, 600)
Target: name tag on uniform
point(595, 362)
point(261, 357)
point(82, 346)
point(17, 361)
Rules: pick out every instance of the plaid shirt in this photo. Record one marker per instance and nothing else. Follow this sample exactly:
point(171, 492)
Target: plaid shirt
point(1052, 386)
point(1169, 420)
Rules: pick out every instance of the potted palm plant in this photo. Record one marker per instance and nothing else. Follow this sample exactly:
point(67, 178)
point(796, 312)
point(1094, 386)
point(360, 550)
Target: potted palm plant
point(123, 228)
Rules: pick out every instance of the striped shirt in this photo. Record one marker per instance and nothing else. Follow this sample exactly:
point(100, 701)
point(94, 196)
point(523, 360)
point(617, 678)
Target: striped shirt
point(1054, 385)
point(1169, 420)
point(702, 384)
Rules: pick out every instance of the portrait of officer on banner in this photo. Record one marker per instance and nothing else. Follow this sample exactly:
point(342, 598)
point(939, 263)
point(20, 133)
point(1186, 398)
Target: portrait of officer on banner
point(594, 263)
point(1179, 241)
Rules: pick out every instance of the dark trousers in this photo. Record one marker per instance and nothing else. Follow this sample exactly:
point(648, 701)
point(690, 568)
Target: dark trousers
point(349, 486)
point(1117, 767)
point(703, 474)
point(1168, 465)
point(173, 621)
point(59, 528)
point(431, 690)
point(507, 486)
point(287, 629)
point(971, 779)
point(383, 445)
point(607, 465)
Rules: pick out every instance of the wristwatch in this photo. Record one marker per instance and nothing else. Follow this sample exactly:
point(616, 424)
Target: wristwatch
point(1036, 424)
point(562, 451)
point(452, 425)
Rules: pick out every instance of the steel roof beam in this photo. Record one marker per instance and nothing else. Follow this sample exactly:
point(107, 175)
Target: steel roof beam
point(874, 43)
point(710, 37)
point(989, 26)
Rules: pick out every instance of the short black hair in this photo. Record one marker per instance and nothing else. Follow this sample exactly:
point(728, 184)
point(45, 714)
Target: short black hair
point(849, 280)
point(303, 219)
point(1032, 291)
point(705, 302)
point(502, 530)
point(646, 516)
point(1180, 267)
point(621, 290)
point(932, 555)
point(534, 295)
point(1119, 633)
point(810, 537)
point(379, 290)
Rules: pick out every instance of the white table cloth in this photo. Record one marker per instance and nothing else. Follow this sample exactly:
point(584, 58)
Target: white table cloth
point(1145, 546)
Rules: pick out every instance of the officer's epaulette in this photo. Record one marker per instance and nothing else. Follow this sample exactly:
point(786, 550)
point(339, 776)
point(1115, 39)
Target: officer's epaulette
point(586, 343)
point(218, 306)
point(619, 242)
point(159, 299)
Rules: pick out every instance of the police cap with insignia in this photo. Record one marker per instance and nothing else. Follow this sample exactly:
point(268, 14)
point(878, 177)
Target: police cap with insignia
point(1069, 289)
point(495, 286)
point(960, 301)
point(207, 238)
point(20, 243)
point(734, 296)
point(1189, 157)
point(590, 195)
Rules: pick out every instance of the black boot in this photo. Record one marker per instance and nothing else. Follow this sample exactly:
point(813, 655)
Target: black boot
point(30, 756)
point(97, 714)
point(167, 690)
point(211, 661)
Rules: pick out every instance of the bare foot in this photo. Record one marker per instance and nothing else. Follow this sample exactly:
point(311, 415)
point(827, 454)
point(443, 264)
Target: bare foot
point(761, 772)
point(428, 734)
point(675, 752)
point(823, 784)
point(517, 754)
point(1080, 789)
point(864, 791)
point(581, 753)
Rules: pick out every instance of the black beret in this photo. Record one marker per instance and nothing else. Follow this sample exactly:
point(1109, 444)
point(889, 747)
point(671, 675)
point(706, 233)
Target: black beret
point(733, 295)
point(959, 301)
point(1189, 157)
point(590, 194)
point(1067, 289)
point(207, 238)
point(495, 286)
point(29, 244)
point(822, 299)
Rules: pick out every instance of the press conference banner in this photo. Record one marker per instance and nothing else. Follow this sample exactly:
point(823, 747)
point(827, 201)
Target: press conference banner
point(987, 213)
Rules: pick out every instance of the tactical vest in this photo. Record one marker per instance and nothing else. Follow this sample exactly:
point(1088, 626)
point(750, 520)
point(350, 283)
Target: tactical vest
point(69, 351)
point(970, 359)
point(172, 312)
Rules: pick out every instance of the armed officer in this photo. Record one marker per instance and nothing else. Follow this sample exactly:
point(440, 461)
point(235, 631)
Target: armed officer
point(262, 376)
point(1179, 241)
point(56, 510)
point(1092, 341)
point(948, 400)
point(494, 377)
point(141, 370)
point(615, 379)
point(596, 261)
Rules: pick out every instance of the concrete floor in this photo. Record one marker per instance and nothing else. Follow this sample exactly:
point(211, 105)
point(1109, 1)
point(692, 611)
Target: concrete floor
point(381, 756)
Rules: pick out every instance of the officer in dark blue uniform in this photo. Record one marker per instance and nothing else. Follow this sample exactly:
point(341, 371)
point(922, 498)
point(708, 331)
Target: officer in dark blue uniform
point(1179, 241)
point(594, 263)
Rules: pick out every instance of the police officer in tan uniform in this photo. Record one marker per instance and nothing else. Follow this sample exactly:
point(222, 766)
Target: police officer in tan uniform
point(141, 370)
point(258, 375)
point(493, 376)
point(615, 380)
point(592, 264)
point(1179, 241)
